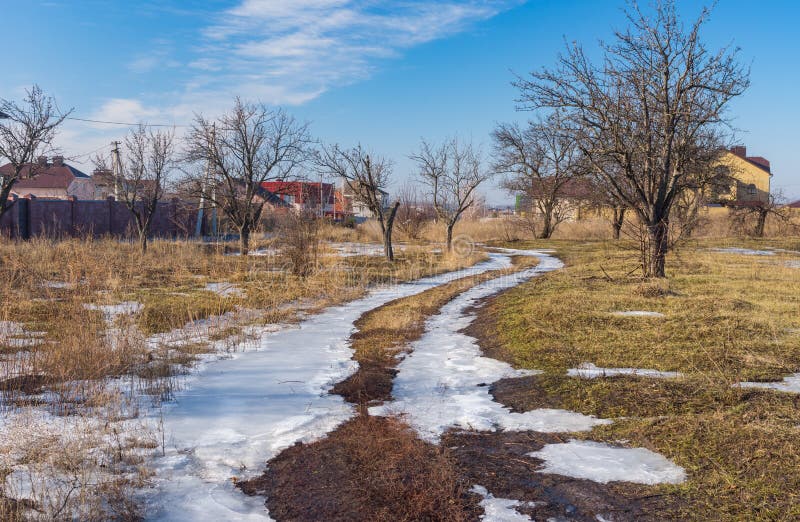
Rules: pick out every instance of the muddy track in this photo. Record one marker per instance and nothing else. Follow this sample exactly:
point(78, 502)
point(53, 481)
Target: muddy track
point(374, 468)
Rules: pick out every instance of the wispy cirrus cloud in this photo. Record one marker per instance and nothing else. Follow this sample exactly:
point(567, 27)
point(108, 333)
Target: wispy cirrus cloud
point(302, 48)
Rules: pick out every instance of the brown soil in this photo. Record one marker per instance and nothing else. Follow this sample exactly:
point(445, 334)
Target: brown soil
point(369, 469)
point(27, 384)
point(498, 462)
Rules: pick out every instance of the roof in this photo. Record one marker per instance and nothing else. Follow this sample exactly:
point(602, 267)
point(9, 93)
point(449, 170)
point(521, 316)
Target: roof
point(761, 162)
point(573, 188)
point(41, 176)
point(794, 204)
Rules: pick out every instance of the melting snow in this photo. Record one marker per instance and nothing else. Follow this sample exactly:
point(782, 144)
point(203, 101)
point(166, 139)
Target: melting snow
point(443, 382)
point(240, 412)
point(790, 384)
point(604, 463)
point(590, 371)
point(744, 251)
point(637, 313)
point(111, 312)
point(793, 264)
point(14, 335)
point(500, 509)
point(224, 289)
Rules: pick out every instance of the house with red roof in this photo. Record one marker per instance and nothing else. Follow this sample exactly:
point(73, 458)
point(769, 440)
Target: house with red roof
point(53, 179)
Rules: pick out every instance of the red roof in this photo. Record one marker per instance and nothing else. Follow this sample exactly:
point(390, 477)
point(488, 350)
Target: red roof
point(44, 176)
point(794, 204)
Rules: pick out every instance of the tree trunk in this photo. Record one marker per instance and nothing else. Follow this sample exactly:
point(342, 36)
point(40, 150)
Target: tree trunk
point(387, 233)
point(547, 224)
point(761, 221)
point(450, 236)
point(619, 220)
point(244, 239)
point(657, 249)
point(143, 241)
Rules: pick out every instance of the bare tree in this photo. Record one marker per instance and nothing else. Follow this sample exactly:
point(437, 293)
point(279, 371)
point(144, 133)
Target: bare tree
point(367, 178)
point(650, 117)
point(151, 158)
point(26, 132)
point(451, 173)
point(414, 212)
point(750, 217)
point(240, 150)
point(541, 161)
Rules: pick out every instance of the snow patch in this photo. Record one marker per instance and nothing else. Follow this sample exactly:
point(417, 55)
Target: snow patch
point(590, 371)
point(240, 412)
point(637, 313)
point(793, 264)
point(604, 463)
point(441, 384)
point(224, 289)
point(500, 509)
point(14, 335)
point(790, 384)
point(111, 312)
point(744, 251)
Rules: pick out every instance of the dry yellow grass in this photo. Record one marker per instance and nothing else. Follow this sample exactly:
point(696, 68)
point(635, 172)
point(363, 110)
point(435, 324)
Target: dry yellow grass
point(728, 318)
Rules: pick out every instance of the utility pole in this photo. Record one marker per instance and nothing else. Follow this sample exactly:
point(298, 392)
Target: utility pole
point(198, 231)
point(116, 167)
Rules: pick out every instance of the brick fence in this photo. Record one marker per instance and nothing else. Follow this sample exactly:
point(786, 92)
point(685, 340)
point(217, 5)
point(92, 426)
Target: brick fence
point(34, 217)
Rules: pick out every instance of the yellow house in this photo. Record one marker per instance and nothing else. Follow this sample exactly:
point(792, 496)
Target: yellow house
point(744, 180)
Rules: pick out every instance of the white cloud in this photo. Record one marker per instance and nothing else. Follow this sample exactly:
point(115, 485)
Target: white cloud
point(304, 47)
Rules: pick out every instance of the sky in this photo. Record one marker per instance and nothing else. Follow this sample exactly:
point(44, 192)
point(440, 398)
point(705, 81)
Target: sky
point(383, 74)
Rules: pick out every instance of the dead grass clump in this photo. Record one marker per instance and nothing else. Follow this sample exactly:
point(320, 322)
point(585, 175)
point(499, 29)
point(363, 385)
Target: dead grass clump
point(369, 469)
point(653, 288)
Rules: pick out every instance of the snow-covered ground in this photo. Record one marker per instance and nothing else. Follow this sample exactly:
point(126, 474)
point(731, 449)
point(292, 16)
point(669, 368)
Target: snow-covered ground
point(240, 412)
point(224, 289)
point(790, 384)
point(744, 251)
point(444, 382)
point(590, 371)
point(604, 463)
point(637, 313)
point(500, 509)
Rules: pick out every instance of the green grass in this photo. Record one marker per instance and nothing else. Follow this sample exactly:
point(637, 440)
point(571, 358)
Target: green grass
point(728, 318)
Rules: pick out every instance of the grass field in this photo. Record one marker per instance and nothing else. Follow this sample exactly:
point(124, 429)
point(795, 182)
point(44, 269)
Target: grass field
point(728, 318)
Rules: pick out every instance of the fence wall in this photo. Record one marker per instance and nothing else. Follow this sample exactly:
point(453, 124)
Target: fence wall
point(32, 217)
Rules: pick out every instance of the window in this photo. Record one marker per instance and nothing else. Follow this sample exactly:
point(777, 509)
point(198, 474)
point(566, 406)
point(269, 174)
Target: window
point(751, 190)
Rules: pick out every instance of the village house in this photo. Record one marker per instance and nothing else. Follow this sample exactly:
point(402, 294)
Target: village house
point(54, 180)
point(740, 180)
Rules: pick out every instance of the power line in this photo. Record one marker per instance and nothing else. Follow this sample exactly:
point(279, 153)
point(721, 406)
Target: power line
point(124, 123)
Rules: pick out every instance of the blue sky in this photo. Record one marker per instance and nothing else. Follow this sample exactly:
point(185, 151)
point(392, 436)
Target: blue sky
point(381, 73)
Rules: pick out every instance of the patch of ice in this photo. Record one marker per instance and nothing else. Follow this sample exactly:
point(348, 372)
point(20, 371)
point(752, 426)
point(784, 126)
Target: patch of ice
point(111, 312)
point(744, 251)
point(349, 249)
point(500, 509)
point(793, 264)
point(441, 383)
point(790, 384)
point(637, 313)
point(604, 463)
point(240, 412)
point(590, 371)
point(224, 289)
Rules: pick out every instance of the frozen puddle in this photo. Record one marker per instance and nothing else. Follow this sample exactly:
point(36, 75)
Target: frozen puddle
point(444, 382)
point(590, 371)
point(604, 463)
point(500, 509)
point(240, 412)
point(790, 384)
point(637, 313)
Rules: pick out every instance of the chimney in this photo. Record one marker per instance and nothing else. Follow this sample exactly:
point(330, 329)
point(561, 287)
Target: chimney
point(739, 150)
point(58, 161)
point(42, 160)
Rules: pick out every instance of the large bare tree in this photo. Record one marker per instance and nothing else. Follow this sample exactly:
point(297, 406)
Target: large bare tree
point(142, 177)
point(237, 152)
point(367, 178)
point(451, 172)
point(27, 130)
point(540, 161)
point(650, 117)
